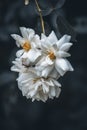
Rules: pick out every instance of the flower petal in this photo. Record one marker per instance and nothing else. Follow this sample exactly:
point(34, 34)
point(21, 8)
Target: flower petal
point(19, 39)
point(43, 36)
point(52, 38)
point(25, 62)
point(66, 46)
point(14, 68)
point(45, 88)
point(70, 66)
point(61, 54)
point(49, 82)
point(46, 71)
point(36, 43)
point(31, 33)
point(56, 83)
point(25, 55)
point(49, 61)
point(19, 53)
point(58, 91)
point(62, 66)
point(23, 77)
point(33, 54)
point(54, 74)
point(52, 92)
point(64, 39)
point(24, 33)
point(44, 62)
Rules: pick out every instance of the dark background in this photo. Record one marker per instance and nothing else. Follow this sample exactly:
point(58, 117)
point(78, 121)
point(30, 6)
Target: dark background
point(69, 111)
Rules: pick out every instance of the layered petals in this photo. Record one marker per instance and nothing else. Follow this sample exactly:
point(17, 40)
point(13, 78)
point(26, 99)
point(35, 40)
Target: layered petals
point(54, 54)
point(38, 88)
point(18, 66)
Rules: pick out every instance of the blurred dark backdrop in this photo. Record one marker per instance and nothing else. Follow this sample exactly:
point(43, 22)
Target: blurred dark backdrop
point(69, 112)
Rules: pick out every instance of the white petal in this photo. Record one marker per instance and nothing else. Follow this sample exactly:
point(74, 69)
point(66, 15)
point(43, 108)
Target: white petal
point(62, 66)
point(25, 55)
point(19, 53)
point(49, 82)
point(37, 85)
point(33, 54)
point(25, 62)
point(49, 61)
point(25, 90)
point(44, 62)
point(56, 83)
point(58, 91)
point(31, 33)
point(14, 68)
point(54, 74)
point(36, 43)
point(19, 39)
point(45, 88)
point(23, 77)
point(43, 36)
point(39, 67)
point(59, 70)
point(70, 66)
point(44, 46)
point(52, 38)
point(52, 92)
point(61, 54)
point(66, 46)
point(24, 33)
point(46, 71)
point(64, 39)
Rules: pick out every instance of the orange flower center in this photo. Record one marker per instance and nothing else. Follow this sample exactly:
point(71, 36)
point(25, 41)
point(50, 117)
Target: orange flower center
point(26, 46)
point(51, 55)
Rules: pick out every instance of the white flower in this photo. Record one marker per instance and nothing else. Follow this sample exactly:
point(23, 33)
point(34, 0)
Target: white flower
point(54, 55)
point(18, 66)
point(36, 87)
point(30, 42)
point(40, 63)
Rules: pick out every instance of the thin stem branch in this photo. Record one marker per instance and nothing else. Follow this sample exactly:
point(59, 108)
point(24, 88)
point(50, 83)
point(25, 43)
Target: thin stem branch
point(41, 17)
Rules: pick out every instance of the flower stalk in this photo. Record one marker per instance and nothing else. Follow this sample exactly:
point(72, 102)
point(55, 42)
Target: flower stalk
point(41, 17)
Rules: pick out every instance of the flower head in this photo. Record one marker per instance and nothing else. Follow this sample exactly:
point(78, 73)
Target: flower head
point(30, 42)
point(36, 87)
point(54, 54)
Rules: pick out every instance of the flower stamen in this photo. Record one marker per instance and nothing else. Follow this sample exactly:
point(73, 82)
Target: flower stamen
point(51, 55)
point(26, 46)
point(36, 79)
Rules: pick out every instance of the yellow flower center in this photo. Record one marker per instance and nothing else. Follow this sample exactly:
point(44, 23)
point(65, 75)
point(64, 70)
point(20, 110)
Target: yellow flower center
point(39, 78)
point(36, 79)
point(51, 55)
point(26, 46)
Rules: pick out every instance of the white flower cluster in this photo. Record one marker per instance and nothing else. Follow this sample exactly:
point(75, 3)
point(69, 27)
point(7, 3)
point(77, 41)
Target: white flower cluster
point(40, 63)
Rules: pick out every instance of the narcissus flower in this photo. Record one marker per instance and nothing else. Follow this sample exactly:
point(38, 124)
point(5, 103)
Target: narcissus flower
point(54, 55)
point(36, 87)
